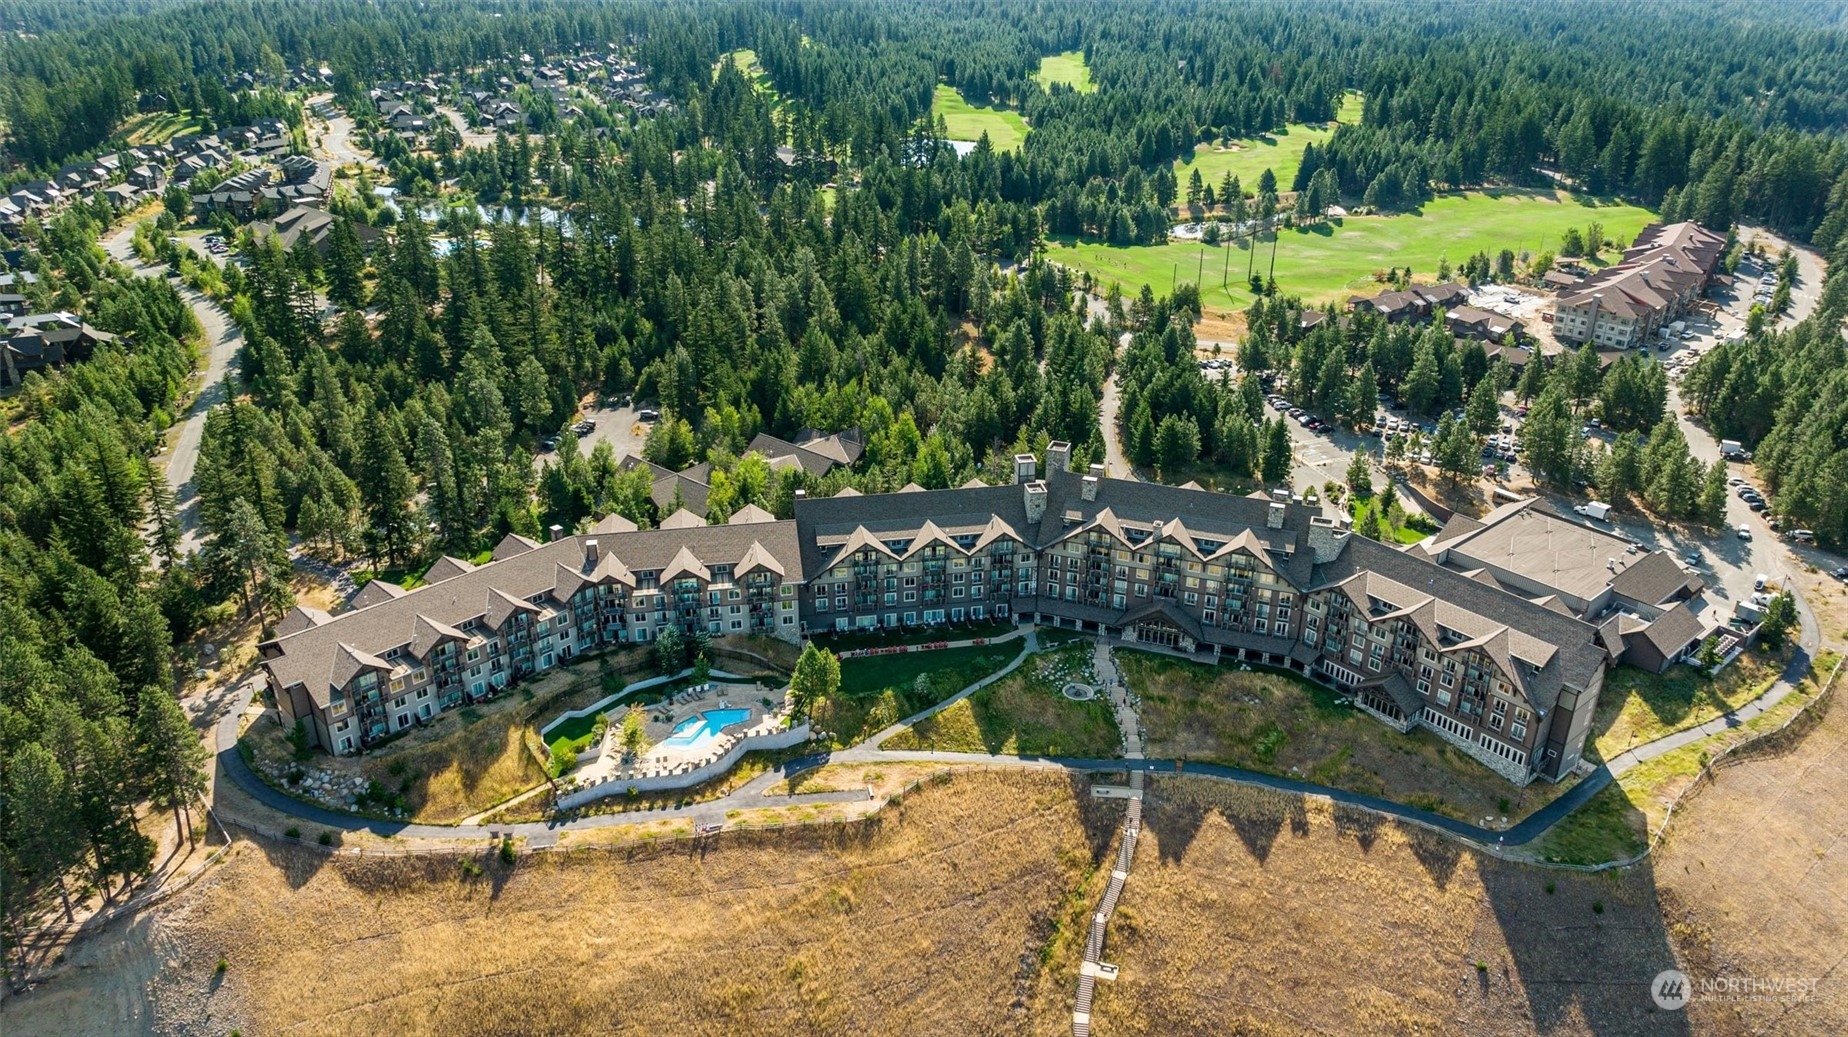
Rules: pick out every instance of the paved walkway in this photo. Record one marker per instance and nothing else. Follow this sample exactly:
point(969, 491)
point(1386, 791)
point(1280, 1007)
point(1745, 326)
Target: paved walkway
point(1094, 967)
point(1029, 647)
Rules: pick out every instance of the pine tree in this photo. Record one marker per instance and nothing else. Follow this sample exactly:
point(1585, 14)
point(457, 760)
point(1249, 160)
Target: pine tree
point(1360, 476)
point(1277, 456)
point(171, 759)
point(385, 490)
point(816, 680)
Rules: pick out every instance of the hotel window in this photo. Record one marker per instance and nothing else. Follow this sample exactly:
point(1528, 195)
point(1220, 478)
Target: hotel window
point(1142, 590)
point(1443, 697)
point(1424, 687)
point(1518, 731)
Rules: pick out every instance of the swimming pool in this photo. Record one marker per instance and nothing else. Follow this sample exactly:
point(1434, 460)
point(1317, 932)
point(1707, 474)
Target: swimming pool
point(695, 732)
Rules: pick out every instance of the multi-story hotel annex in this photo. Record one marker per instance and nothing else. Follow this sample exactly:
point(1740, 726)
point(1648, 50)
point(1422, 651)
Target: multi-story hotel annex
point(1512, 681)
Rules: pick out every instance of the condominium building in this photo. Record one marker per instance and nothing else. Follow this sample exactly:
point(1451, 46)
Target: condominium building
point(399, 658)
point(1414, 643)
point(1660, 276)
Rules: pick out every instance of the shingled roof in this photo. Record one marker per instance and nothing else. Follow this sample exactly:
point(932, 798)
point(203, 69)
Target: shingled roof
point(322, 656)
point(1507, 626)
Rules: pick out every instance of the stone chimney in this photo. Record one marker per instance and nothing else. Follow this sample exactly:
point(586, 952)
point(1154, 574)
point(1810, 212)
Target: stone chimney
point(590, 552)
point(1326, 539)
point(802, 495)
point(555, 532)
point(1274, 518)
point(1058, 456)
point(1036, 501)
point(1090, 487)
point(1026, 468)
point(1097, 470)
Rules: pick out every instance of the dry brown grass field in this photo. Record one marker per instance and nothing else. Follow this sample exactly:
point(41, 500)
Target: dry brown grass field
point(1754, 876)
point(956, 911)
point(960, 911)
point(1255, 913)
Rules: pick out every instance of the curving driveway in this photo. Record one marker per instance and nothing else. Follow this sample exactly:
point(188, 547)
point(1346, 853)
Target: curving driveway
point(223, 339)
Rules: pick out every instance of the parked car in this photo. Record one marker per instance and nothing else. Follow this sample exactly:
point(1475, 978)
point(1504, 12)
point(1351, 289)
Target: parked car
point(1840, 572)
point(1745, 531)
point(648, 414)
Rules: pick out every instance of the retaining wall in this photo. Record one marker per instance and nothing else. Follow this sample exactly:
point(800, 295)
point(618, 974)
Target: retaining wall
point(931, 646)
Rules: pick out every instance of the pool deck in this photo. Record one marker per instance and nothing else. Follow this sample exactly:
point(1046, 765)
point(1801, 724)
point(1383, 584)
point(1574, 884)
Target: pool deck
point(663, 758)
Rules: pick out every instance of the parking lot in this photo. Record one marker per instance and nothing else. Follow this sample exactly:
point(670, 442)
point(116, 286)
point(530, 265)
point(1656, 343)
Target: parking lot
point(618, 424)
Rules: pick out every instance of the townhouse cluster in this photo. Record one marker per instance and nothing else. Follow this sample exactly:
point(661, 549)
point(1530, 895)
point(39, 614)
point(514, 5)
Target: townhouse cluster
point(1479, 652)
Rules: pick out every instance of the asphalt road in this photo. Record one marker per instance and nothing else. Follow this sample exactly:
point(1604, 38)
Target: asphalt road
point(336, 143)
point(222, 341)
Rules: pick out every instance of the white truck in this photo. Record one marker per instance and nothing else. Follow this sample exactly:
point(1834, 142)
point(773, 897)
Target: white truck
point(1733, 450)
point(1593, 510)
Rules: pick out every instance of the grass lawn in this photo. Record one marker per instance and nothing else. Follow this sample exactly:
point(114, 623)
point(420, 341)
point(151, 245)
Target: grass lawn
point(1068, 68)
point(1331, 260)
point(881, 690)
point(1639, 707)
point(576, 730)
point(1405, 534)
point(1024, 714)
point(1276, 722)
point(1618, 821)
point(158, 127)
point(964, 121)
point(1281, 153)
point(402, 577)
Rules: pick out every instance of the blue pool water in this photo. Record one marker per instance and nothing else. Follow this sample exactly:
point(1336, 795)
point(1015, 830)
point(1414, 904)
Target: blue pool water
point(695, 732)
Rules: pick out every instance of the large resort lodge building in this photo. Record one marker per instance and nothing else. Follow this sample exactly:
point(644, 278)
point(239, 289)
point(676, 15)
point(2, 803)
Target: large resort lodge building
point(1510, 680)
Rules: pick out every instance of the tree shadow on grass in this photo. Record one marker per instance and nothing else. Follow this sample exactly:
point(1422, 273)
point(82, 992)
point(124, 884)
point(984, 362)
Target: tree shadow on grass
point(1257, 817)
point(296, 861)
point(1584, 948)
